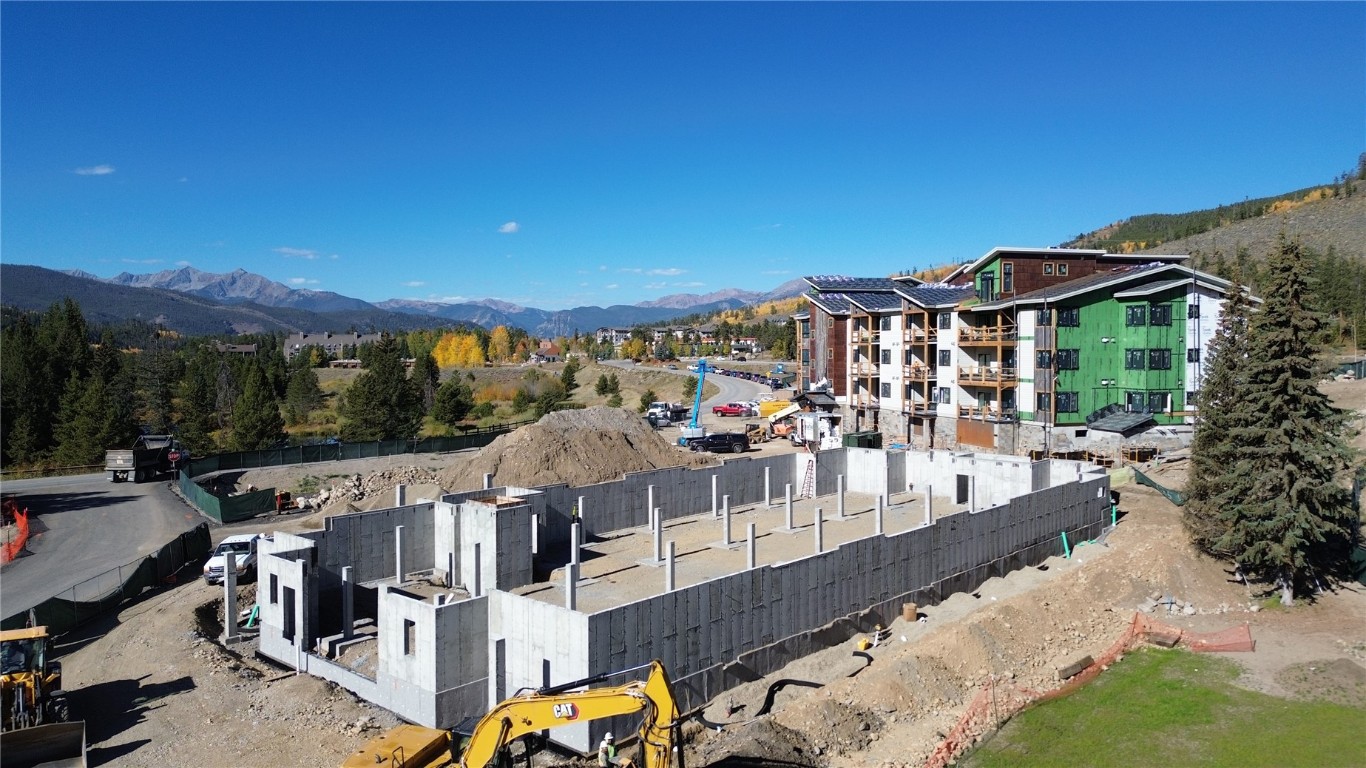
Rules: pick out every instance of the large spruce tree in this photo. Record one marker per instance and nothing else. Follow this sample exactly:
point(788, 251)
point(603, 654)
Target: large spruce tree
point(1222, 406)
point(1288, 518)
point(382, 403)
point(256, 419)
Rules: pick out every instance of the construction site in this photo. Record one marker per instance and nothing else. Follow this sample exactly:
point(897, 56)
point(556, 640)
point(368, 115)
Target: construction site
point(437, 609)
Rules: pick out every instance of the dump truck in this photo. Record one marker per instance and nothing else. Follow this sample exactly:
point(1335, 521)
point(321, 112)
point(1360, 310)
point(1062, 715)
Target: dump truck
point(36, 725)
point(150, 456)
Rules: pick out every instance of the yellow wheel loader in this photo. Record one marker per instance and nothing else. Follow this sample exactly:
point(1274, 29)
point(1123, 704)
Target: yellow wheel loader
point(36, 714)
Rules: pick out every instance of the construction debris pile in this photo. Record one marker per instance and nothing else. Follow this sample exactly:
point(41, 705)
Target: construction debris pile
point(360, 487)
point(578, 447)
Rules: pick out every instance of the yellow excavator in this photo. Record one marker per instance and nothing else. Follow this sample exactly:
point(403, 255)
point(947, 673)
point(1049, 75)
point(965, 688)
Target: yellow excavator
point(488, 743)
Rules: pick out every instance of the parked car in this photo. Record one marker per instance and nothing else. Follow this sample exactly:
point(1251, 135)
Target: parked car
point(741, 359)
point(729, 409)
point(242, 550)
point(721, 442)
point(672, 367)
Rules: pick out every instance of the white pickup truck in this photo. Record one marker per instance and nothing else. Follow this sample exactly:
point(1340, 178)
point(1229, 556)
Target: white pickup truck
point(242, 549)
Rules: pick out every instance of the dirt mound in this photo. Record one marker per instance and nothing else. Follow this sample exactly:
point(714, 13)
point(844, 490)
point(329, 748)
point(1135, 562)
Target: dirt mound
point(579, 447)
point(761, 742)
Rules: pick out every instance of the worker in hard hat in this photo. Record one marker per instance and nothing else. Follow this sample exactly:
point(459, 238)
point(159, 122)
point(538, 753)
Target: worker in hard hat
point(607, 754)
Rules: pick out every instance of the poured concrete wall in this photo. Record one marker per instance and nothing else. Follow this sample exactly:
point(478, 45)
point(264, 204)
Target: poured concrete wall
point(533, 644)
point(433, 671)
point(365, 542)
point(714, 635)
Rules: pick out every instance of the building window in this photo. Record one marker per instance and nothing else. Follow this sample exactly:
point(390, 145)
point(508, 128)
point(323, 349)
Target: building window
point(1193, 355)
point(945, 320)
point(1043, 317)
point(886, 389)
point(1135, 402)
point(1161, 314)
point(1190, 399)
point(1068, 359)
point(945, 358)
point(1062, 270)
point(409, 637)
point(1042, 403)
point(1193, 310)
point(274, 589)
point(1008, 277)
point(1044, 359)
point(885, 323)
point(1160, 359)
point(1157, 402)
point(886, 357)
point(1066, 402)
point(1136, 316)
point(1069, 317)
point(806, 356)
point(1048, 268)
point(1134, 359)
point(942, 395)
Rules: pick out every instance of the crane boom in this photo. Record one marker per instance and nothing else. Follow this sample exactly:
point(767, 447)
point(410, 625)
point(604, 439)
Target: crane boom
point(693, 430)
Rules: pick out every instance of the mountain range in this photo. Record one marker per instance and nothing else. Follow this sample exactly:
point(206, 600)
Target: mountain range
point(196, 302)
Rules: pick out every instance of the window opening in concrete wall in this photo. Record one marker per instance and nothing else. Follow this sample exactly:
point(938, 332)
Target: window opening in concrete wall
point(274, 589)
point(409, 637)
point(1079, 433)
point(500, 669)
point(960, 495)
point(287, 630)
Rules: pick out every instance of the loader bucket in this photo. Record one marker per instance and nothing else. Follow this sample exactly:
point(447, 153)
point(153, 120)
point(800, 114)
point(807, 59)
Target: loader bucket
point(56, 745)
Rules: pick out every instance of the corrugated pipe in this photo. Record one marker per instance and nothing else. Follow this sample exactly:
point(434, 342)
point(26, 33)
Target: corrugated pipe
point(1066, 550)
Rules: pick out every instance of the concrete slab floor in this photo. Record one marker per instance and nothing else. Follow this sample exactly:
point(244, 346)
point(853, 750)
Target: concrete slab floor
point(618, 576)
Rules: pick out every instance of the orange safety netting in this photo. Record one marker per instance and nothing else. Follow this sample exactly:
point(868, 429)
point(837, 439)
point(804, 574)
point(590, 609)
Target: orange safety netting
point(996, 702)
point(12, 548)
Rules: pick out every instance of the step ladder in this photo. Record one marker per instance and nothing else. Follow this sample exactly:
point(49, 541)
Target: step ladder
point(809, 481)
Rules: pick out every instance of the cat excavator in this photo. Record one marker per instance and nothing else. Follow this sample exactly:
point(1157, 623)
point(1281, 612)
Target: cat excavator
point(487, 744)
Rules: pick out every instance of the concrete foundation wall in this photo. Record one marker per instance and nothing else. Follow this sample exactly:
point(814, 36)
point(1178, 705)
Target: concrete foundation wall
point(534, 644)
point(365, 542)
point(869, 471)
point(717, 634)
point(462, 660)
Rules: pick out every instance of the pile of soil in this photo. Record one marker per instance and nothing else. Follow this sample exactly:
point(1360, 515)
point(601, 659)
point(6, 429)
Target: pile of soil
point(578, 447)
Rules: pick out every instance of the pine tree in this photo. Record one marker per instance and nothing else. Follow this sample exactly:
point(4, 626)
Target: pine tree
point(1223, 395)
point(303, 395)
point(382, 403)
point(427, 377)
point(454, 401)
point(567, 376)
point(1292, 521)
point(613, 384)
point(600, 389)
point(256, 419)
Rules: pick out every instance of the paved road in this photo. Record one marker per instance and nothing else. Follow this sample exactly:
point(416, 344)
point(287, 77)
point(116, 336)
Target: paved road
point(84, 526)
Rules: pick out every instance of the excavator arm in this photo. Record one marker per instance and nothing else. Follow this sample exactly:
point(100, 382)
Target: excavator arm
point(555, 707)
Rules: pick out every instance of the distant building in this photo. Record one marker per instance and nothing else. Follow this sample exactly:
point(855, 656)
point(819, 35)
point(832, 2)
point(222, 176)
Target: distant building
point(246, 350)
point(331, 343)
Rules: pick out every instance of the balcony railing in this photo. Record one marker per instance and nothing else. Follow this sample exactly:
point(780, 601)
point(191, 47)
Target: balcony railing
point(918, 372)
point(987, 413)
point(971, 336)
point(918, 335)
point(863, 401)
point(920, 407)
point(865, 336)
point(987, 375)
point(863, 368)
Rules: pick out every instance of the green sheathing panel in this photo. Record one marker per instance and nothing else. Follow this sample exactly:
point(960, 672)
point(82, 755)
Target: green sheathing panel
point(1103, 317)
point(992, 268)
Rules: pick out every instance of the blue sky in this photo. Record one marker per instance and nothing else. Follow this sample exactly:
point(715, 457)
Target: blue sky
point(557, 155)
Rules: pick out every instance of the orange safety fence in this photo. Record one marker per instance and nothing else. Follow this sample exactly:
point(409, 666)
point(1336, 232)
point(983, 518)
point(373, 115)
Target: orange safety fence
point(996, 701)
point(13, 547)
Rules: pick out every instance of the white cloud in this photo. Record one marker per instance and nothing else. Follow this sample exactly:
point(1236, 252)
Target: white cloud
point(182, 263)
point(693, 284)
point(302, 281)
point(632, 270)
point(414, 284)
point(94, 170)
point(509, 228)
point(450, 299)
point(667, 272)
point(612, 286)
point(140, 261)
point(655, 286)
point(774, 272)
point(297, 253)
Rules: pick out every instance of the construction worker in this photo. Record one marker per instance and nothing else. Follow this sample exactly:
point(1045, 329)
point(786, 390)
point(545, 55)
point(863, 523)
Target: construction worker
point(607, 754)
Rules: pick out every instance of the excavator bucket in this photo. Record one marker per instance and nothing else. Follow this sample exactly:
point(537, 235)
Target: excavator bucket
point(56, 745)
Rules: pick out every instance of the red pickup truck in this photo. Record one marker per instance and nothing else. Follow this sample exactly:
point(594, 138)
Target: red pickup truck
point(729, 409)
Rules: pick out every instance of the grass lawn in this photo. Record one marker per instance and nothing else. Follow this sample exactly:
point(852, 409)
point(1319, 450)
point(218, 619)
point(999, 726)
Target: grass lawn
point(1174, 708)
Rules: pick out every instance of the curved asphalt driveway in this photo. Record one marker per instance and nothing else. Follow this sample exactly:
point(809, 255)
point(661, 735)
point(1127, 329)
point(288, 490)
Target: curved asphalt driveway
point(83, 526)
point(730, 389)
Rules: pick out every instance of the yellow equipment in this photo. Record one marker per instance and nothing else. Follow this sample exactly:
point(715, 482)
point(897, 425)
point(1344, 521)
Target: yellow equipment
point(35, 709)
point(486, 745)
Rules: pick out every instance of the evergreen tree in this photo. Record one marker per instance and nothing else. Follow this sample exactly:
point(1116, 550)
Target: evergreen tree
point(1292, 521)
point(690, 388)
point(647, 397)
point(567, 376)
point(521, 399)
point(454, 401)
point(1221, 407)
point(614, 401)
point(382, 403)
point(303, 395)
point(613, 384)
point(427, 377)
point(22, 395)
point(197, 395)
point(256, 419)
point(601, 388)
point(95, 416)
